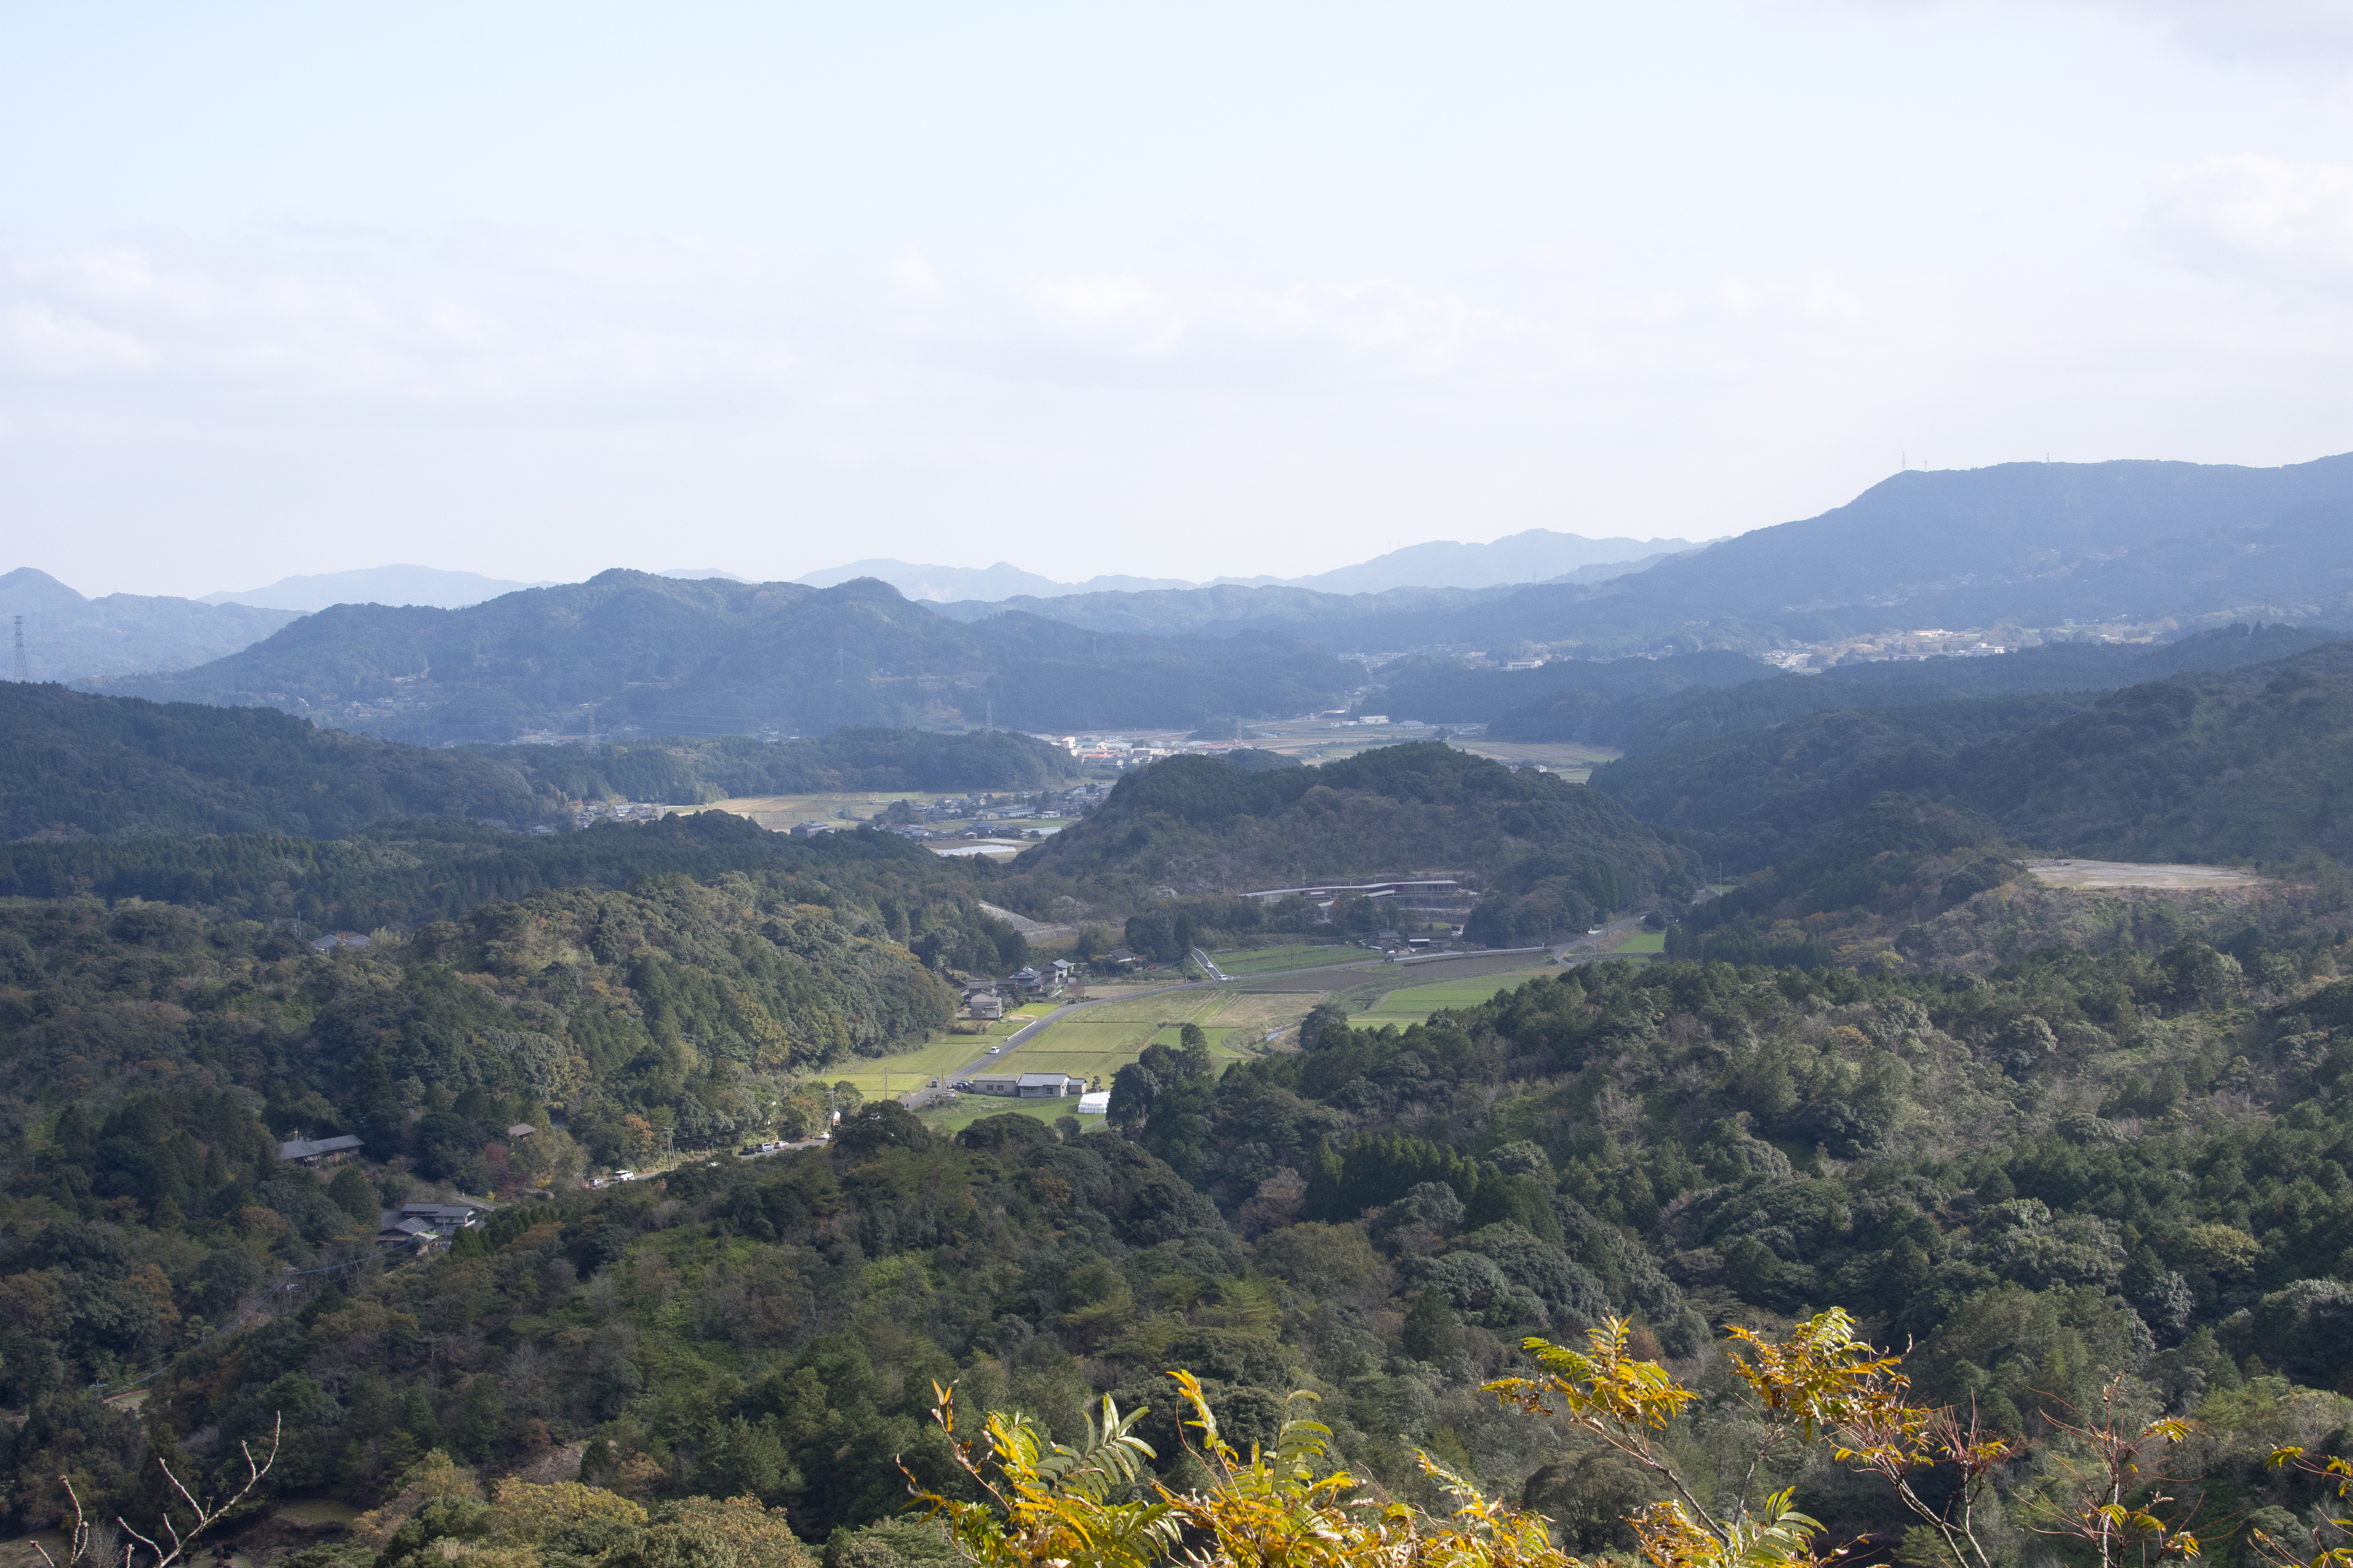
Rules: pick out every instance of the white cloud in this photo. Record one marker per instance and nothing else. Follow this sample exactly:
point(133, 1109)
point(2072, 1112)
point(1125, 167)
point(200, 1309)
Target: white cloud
point(49, 341)
point(2296, 32)
point(540, 397)
point(2304, 36)
point(2286, 224)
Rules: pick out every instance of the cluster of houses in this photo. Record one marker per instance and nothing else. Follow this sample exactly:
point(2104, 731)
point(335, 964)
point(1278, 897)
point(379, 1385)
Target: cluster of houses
point(589, 811)
point(1032, 983)
point(414, 1224)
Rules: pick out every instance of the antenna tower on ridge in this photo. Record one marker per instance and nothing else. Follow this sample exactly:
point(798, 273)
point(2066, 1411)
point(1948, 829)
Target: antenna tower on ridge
point(24, 666)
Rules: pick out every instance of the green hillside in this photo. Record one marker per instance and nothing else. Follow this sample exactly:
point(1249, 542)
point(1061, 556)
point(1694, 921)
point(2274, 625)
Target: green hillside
point(1761, 796)
point(74, 764)
point(2080, 1169)
point(2242, 764)
point(628, 651)
point(408, 872)
point(1641, 722)
point(1894, 865)
point(1445, 690)
point(1553, 853)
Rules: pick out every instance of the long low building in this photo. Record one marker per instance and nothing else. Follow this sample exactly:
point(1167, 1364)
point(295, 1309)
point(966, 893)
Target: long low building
point(1022, 1085)
point(1437, 888)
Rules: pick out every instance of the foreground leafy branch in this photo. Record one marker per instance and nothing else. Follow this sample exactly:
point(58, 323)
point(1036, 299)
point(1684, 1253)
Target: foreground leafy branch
point(1094, 1506)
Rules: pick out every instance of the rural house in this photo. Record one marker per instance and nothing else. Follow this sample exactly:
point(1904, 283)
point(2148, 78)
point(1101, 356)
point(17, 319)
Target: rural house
point(317, 1152)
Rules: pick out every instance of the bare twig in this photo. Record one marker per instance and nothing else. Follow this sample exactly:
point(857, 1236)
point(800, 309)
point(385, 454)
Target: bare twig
point(181, 1539)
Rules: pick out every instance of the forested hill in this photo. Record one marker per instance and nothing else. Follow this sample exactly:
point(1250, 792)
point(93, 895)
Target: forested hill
point(2044, 543)
point(2079, 1169)
point(683, 771)
point(1446, 690)
point(628, 651)
point(1638, 722)
point(406, 872)
point(2039, 544)
point(2244, 764)
point(1198, 824)
point(74, 764)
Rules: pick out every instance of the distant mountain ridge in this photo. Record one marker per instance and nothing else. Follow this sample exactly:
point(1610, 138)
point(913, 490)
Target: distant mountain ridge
point(629, 652)
point(2040, 545)
point(69, 638)
point(374, 586)
point(1535, 556)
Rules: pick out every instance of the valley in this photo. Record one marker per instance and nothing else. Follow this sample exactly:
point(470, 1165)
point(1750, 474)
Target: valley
point(1498, 993)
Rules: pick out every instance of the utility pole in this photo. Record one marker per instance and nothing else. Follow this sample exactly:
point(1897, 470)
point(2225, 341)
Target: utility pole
point(24, 666)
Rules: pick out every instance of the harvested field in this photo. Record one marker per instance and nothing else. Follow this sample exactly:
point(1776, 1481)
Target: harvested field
point(2100, 875)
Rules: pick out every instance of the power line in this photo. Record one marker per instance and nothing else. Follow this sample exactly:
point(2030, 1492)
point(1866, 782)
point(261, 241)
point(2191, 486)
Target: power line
point(24, 666)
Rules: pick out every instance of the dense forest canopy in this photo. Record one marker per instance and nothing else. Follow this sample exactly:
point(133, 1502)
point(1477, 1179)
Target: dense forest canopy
point(74, 764)
point(2237, 764)
point(2076, 1169)
point(1554, 852)
point(1642, 721)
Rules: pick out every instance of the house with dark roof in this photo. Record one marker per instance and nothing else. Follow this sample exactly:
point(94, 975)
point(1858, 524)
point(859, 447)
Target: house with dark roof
point(398, 1230)
point(316, 1152)
point(443, 1219)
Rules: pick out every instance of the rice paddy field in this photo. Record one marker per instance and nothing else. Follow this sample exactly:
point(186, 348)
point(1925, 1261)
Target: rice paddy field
point(1095, 1044)
point(1415, 1004)
point(1259, 960)
point(944, 1053)
point(1099, 1041)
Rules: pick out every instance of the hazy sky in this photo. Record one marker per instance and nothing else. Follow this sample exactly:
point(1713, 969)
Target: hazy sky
point(1167, 290)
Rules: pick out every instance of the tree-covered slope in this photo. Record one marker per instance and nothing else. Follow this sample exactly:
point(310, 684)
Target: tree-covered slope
point(681, 770)
point(406, 872)
point(74, 764)
point(2244, 764)
point(2074, 1171)
point(2043, 544)
point(628, 651)
point(1197, 825)
point(1639, 722)
point(1443, 690)
point(679, 1004)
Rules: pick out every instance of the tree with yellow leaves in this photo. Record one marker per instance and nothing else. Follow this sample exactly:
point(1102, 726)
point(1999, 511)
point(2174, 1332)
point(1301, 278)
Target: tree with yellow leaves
point(1095, 1505)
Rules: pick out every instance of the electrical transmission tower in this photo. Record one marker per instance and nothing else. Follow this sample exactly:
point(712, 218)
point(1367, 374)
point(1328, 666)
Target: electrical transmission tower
point(24, 666)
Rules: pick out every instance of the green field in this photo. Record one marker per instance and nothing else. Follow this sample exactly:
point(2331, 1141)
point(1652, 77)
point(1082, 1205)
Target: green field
point(945, 1052)
point(1095, 1044)
point(1282, 959)
point(1416, 1003)
point(1643, 942)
